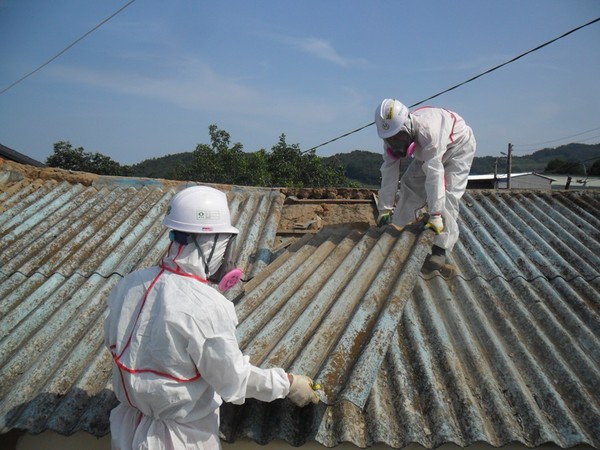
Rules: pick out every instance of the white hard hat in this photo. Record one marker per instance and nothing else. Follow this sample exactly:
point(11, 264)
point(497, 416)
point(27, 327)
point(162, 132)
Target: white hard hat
point(390, 115)
point(199, 210)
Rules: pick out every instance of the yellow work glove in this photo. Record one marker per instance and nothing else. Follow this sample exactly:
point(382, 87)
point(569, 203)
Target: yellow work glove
point(435, 222)
point(384, 218)
point(302, 390)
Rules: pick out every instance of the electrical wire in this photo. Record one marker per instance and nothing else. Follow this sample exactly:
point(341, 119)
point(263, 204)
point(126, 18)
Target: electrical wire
point(589, 138)
point(555, 140)
point(66, 48)
point(469, 80)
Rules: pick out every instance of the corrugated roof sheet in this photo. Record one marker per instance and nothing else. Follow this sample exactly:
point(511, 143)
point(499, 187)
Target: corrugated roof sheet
point(330, 306)
point(62, 249)
point(114, 226)
point(507, 350)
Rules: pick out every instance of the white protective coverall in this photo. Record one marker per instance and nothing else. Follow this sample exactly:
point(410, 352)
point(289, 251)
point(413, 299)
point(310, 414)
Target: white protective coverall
point(443, 153)
point(177, 357)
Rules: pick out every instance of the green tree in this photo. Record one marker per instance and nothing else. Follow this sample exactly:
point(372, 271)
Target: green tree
point(284, 163)
point(217, 162)
point(317, 174)
point(258, 170)
point(69, 158)
point(203, 166)
point(66, 157)
point(290, 167)
point(284, 166)
point(595, 169)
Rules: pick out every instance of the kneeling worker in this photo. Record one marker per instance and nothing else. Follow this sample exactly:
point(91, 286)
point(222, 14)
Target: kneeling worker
point(172, 338)
point(442, 147)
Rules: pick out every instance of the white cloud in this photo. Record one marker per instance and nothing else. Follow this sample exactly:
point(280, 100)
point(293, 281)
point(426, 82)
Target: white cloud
point(319, 48)
point(194, 85)
point(323, 49)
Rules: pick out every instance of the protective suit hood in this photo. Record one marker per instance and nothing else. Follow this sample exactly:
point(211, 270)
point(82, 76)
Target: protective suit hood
point(408, 127)
point(197, 257)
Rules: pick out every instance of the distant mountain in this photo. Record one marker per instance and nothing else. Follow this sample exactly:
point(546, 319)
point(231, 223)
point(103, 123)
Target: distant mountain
point(359, 165)
point(162, 167)
point(576, 154)
point(363, 166)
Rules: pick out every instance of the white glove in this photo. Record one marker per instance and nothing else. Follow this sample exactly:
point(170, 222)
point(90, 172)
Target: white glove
point(301, 390)
point(436, 223)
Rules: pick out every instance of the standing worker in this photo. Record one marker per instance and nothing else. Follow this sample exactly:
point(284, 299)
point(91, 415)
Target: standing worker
point(172, 338)
point(443, 147)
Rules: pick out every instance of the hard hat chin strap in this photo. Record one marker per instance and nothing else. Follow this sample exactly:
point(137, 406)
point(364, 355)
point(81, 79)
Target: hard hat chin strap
point(408, 127)
point(212, 252)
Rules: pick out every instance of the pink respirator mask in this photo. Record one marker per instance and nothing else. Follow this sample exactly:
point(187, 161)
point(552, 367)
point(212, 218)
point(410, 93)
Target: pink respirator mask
point(230, 279)
point(228, 275)
point(395, 155)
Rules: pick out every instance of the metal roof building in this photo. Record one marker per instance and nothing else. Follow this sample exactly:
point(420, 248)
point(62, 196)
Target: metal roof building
point(13, 155)
point(505, 350)
point(525, 180)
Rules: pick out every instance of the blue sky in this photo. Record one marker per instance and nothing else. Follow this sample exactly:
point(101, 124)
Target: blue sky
point(152, 79)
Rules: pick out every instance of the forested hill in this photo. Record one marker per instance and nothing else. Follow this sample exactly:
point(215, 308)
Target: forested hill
point(360, 165)
point(566, 159)
point(363, 166)
point(163, 167)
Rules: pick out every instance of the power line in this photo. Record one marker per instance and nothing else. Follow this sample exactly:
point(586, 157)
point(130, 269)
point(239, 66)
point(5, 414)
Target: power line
point(469, 80)
point(66, 48)
point(590, 138)
point(555, 140)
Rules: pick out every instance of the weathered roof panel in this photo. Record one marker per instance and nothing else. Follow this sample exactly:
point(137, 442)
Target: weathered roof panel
point(507, 350)
point(330, 308)
point(62, 248)
point(114, 228)
point(530, 235)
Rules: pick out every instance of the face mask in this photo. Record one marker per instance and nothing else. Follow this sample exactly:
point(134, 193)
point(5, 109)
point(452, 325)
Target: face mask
point(395, 151)
point(215, 251)
point(227, 275)
point(397, 145)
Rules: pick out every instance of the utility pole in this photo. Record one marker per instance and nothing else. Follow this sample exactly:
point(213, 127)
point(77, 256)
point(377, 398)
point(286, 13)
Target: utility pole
point(496, 174)
point(509, 165)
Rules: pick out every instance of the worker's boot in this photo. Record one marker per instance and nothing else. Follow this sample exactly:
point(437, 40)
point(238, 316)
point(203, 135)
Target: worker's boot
point(436, 260)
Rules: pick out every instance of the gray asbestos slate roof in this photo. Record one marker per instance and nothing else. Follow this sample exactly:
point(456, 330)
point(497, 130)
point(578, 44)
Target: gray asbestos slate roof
point(505, 350)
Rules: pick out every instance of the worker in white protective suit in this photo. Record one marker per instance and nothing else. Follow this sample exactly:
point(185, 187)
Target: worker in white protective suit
point(172, 338)
point(442, 147)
